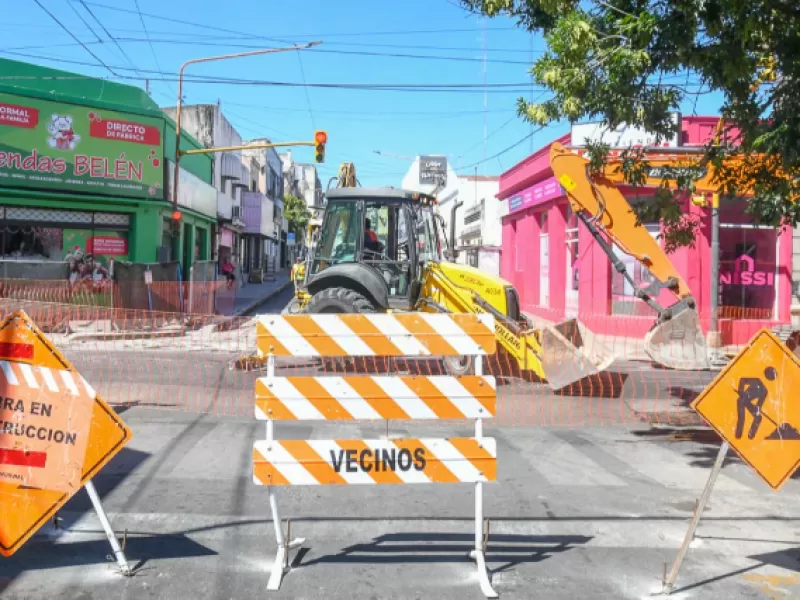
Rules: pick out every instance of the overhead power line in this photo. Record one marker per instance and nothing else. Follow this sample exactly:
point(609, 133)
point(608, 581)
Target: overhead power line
point(294, 37)
point(111, 37)
point(150, 41)
point(72, 35)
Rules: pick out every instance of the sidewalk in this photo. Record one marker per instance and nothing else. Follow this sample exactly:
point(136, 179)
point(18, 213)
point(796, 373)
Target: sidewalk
point(244, 299)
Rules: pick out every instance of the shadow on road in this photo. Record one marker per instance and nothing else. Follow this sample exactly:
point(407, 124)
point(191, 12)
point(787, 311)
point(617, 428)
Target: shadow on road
point(139, 550)
point(509, 549)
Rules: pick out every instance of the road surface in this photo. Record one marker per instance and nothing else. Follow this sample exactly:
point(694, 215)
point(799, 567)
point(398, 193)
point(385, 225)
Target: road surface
point(591, 506)
point(576, 513)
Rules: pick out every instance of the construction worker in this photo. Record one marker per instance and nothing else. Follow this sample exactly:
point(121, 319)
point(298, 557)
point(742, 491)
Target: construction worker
point(371, 242)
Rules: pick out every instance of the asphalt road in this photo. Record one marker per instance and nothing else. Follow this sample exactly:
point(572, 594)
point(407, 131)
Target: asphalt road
point(591, 501)
point(576, 513)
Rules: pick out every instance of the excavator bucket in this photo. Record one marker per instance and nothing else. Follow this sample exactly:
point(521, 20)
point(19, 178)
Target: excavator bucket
point(678, 342)
point(570, 353)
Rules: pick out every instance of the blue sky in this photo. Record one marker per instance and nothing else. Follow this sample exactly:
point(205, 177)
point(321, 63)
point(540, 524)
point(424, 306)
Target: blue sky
point(364, 42)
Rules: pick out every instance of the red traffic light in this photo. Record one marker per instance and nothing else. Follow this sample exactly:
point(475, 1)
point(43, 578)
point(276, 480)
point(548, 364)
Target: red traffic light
point(176, 215)
point(321, 137)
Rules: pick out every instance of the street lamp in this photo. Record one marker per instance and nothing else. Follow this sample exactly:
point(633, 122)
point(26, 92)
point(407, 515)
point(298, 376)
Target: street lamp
point(180, 101)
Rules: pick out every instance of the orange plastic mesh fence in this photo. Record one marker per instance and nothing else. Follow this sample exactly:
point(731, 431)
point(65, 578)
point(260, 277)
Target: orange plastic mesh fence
point(164, 296)
point(165, 360)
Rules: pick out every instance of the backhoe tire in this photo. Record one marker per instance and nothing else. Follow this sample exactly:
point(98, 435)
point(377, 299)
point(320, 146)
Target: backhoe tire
point(339, 301)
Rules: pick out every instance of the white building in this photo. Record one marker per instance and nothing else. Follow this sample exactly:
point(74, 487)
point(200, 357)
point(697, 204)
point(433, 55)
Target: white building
point(302, 180)
point(478, 231)
point(481, 235)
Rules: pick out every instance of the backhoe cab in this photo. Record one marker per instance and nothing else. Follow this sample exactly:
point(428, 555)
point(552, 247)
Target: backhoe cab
point(380, 249)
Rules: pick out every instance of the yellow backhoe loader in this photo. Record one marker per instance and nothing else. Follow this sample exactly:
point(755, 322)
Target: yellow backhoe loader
point(381, 250)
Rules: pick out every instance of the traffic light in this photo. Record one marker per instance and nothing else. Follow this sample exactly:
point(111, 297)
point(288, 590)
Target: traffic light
point(320, 139)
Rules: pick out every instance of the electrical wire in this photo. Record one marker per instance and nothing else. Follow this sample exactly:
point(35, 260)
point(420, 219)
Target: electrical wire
point(72, 35)
point(291, 37)
point(89, 27)
point(362, 53)
point(111, 37)
point(149, 41)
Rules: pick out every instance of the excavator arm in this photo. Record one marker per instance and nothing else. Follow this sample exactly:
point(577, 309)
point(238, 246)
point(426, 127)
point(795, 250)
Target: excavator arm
point(676, 340)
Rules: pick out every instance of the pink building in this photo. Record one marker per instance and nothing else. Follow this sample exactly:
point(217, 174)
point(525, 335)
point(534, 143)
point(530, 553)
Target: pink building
point(560, 272)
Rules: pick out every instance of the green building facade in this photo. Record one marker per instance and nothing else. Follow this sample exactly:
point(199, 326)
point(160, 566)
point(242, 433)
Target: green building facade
point(86, 168)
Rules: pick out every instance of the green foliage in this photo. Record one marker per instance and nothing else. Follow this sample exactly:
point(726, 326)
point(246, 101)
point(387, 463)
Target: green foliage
point(635, 61)
point(297, 214)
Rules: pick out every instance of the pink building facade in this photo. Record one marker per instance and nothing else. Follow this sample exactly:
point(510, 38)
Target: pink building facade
point(561, 272)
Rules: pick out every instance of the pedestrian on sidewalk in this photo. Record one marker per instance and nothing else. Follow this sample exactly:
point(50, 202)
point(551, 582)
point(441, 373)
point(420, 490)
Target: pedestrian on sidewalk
point(228, 269)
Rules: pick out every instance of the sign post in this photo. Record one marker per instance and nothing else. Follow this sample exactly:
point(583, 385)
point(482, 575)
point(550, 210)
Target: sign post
point(56, 433)
point(752, 405)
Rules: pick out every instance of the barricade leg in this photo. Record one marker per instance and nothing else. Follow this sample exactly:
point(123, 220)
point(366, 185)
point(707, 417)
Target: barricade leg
point(281, 566)
point(119, 554)
point(478, 554)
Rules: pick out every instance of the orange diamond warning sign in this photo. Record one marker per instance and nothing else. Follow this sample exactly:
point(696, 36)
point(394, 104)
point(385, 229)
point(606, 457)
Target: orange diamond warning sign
point(55, 431)
point(754, 404)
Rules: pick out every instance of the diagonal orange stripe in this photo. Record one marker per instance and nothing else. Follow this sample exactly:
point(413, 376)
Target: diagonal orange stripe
point(317, 395)
point(381, 477)
point(316, 336)
point(427, 335)
point(371, 335)
point(312, 462)
point(473, 327)
point(433, 397)
point(265, 472)
point(481, 391)
point(479, 457)
point(268, 343)
point(434, 468)
point(273, 407)
point(374, 395)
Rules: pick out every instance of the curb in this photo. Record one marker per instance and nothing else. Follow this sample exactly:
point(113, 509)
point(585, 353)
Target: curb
point(256, 303)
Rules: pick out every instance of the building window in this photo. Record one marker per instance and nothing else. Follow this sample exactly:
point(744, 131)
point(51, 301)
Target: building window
point(748, 261)
point(571, 235)
point(544, 261)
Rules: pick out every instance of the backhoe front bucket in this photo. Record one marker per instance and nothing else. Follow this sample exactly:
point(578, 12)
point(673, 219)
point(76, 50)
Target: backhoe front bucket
point(570, 353)
point(678, 342)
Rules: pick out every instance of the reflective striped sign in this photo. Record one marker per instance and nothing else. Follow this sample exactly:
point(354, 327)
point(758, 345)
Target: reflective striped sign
point(371, 462)
point(401, 334)
point(368, 397)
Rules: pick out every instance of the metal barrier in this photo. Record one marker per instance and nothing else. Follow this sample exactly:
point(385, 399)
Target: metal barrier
point(359, 397)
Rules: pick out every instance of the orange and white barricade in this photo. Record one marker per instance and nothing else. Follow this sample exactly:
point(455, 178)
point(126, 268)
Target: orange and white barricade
point(365, 397)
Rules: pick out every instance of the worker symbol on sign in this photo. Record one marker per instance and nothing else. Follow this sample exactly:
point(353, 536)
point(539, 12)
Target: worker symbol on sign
point(752, 396)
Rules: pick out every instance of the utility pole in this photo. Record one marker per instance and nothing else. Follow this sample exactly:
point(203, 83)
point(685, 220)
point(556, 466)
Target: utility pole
point(714, 335)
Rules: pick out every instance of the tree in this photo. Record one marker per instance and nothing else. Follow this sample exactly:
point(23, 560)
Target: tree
point(297, 214)
point(636, 61)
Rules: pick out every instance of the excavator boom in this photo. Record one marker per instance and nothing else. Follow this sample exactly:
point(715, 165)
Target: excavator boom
point(676, 340)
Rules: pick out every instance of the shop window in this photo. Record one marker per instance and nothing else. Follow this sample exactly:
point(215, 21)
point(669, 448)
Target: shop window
point(571, 235)
point(544, 261)
point(747, 272)
point(623, 301)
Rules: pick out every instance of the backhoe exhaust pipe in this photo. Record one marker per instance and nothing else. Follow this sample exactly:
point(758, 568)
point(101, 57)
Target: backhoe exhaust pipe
point(453, 252)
